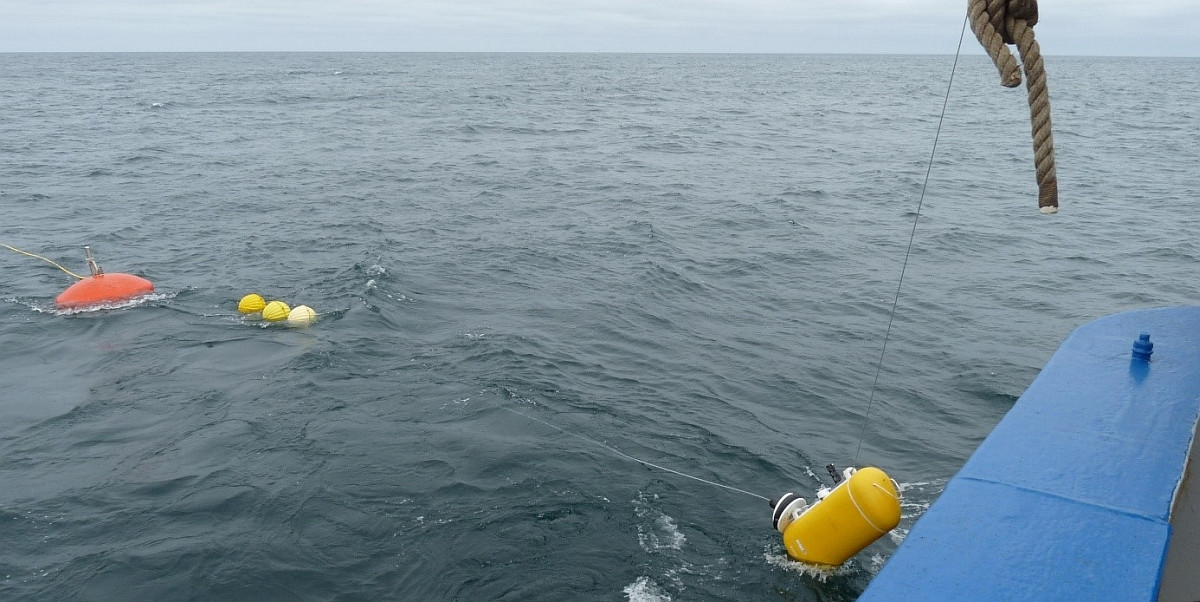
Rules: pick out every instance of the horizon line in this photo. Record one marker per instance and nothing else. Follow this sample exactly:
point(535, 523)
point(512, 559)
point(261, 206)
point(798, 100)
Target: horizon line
point(978, 52)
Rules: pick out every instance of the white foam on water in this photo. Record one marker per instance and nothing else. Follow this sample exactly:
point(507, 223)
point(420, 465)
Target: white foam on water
point(875, 562)
point(662, 533)
point(937, 484)
point(910, 507)
point(127, 304)
point(815, 571)
point(645, 590)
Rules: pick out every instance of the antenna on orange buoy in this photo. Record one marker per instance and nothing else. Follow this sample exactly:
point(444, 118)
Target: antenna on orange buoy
point(91, 261)
point(100, 288)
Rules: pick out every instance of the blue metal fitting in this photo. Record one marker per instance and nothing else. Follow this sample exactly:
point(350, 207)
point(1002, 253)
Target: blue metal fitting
point(1142, 348)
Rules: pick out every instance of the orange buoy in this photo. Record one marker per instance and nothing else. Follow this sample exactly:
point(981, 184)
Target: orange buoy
point(103, 288)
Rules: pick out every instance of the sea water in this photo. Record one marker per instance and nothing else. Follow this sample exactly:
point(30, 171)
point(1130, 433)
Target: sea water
point(689, 259)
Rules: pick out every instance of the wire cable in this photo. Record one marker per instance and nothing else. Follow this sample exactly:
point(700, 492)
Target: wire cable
point(912, 235)
point(629, 457)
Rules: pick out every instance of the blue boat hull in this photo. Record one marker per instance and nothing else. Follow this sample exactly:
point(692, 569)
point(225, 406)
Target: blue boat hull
point(1071, 496)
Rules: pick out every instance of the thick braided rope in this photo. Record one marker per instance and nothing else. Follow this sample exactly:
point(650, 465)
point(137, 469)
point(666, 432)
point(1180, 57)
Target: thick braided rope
point(1000, 22)
point(1039, 116)
point(988, 34)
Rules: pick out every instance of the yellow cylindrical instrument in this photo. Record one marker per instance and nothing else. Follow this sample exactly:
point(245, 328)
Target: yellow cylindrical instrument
point(859, 510)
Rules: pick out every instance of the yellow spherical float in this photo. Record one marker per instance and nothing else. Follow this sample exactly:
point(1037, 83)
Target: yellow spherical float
point(251, 304)
point(276, 311)
point(301, 316)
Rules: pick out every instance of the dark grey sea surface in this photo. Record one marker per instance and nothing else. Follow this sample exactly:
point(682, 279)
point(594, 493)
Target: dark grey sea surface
point(523, 263)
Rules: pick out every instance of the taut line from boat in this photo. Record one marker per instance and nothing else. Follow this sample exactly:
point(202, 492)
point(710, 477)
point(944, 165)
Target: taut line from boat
point(912, 235)
point(629, 457)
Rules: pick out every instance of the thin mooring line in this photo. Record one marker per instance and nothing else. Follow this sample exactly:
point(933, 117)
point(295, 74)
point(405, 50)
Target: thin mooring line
point(912, 235)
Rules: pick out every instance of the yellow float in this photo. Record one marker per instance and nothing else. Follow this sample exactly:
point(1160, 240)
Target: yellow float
point(860, 509)
point(251, 304)
point(276, 311)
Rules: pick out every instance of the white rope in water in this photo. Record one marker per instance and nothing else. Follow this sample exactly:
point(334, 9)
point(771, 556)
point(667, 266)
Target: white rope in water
point(629, 457)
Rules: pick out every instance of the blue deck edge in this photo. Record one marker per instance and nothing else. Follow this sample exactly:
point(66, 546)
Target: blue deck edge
point(1070, 495)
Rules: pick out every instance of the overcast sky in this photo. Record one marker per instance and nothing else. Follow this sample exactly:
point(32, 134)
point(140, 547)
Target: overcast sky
point(1067, 27)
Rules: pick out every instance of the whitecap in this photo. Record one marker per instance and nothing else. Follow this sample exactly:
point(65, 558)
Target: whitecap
point(644, 590)
point(662, 533)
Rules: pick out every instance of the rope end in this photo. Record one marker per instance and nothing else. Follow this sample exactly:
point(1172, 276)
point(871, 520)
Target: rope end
point(1048, 189)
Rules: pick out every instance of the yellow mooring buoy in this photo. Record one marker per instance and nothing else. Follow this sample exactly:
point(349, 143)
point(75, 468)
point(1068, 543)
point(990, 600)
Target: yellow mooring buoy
point(860, 509)
point(251, 304)
point(276, 311)
point(254, 307)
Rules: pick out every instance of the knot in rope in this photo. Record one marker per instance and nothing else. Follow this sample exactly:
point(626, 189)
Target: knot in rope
point(1024, 10)
point(997, 23)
